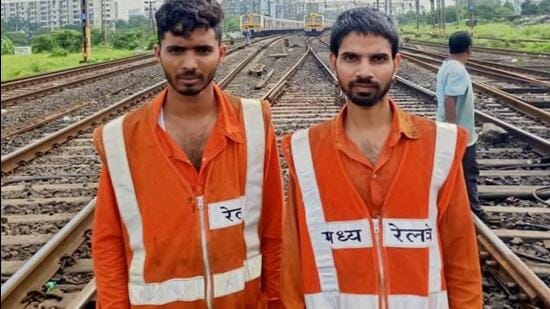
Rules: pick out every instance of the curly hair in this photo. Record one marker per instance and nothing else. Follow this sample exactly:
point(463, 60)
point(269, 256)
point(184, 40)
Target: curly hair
point(181, 17)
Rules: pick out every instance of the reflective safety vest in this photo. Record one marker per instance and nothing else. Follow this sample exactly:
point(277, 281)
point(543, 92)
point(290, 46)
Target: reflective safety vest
point(351, 260)
point(227, 230)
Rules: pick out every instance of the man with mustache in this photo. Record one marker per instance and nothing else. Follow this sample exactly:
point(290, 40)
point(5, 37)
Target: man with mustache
point(378, 213)
point(189, 206)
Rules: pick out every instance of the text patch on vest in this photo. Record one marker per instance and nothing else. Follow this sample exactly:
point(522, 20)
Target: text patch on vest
point(226, 213)
point(408, 233)
point(345, 234)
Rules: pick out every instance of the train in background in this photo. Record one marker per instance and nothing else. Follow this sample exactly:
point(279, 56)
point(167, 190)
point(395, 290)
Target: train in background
point(264, 25)
point(315, 24)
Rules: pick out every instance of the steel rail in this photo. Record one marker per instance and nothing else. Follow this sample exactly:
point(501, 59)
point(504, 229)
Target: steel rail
point(39, 268)
point(14, 159)
point(40, 92)
point(26, 153)
point(528, 281)
point(501, 51)
point(229, 77)
point(480, 69)
point(509, 100)
point(540, 144)
point(50, 76)
point(38, 78)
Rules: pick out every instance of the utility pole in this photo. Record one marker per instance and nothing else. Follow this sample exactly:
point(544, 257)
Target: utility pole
point(151, 23)
point(86, 33)
point(103, 22)
point(457, 13)
point(417, 9)
point(433, 14)
point(443, 17)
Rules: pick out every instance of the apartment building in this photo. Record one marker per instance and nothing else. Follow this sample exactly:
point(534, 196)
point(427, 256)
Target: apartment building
point(54, 14)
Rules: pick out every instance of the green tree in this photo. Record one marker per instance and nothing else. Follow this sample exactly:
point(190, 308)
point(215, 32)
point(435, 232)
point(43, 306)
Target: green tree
point(232, 24)
point(137, 21)
point(528, 8)
point(43, 43)
point(70, 40)
point(7, 46)
point(18, 38)
point(127, 40)
point(544, 7)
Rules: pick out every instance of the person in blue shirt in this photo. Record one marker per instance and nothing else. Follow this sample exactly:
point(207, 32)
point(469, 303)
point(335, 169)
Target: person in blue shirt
point(248, 36)
point(455, 104)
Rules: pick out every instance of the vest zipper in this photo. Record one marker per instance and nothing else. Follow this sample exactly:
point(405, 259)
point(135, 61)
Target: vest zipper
point(204, 244)
point(380, 258)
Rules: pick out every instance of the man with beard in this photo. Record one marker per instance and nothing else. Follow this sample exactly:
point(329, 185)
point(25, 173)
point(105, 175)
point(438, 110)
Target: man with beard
point(378, 213)
point(189, 206)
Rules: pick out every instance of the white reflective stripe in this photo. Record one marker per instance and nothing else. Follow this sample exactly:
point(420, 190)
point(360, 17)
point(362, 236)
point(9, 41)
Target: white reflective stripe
point(445, 145)
point(436, 300)
point(140, 293)
point(234, 280)
point(315, 217)
point(253, 268)
point(335, 300)
point(168, 291)
point(225, 213)
point(407, 233)
point(255, 153)
point(123, 186)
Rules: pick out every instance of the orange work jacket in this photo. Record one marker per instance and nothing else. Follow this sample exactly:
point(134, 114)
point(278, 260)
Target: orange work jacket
point(183, 247)
point(350, 259)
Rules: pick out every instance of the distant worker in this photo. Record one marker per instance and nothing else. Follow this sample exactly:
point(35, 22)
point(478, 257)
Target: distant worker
point(189, 206)
point(378, 213)
point(248, 36)
point(455, 104)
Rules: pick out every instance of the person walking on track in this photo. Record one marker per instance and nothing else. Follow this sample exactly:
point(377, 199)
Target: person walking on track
point(455, 104)
point(189, 210)
point(378, 213)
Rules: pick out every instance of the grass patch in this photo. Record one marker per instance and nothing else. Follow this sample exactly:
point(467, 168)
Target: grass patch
point(532, 38)
point(21, 66)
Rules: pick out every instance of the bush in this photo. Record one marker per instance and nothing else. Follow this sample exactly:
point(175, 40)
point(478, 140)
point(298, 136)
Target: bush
point(7, 46)
point(127, 40)
point(18, 38)
point(151, 42)
point(59, 52)
point(43, 43)
point(70, 40)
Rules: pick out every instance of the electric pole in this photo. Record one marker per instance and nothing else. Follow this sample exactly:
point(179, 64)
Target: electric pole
point(417, 9)
point(103, 22)
point(151, 23)
point(86, 37)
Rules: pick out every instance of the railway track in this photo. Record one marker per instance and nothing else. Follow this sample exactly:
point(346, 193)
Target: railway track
point(54, 83)
point(299, 99)
point(23, 123)
point(533, 60)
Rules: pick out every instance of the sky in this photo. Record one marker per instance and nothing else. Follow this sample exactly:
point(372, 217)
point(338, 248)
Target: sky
point(125, 5)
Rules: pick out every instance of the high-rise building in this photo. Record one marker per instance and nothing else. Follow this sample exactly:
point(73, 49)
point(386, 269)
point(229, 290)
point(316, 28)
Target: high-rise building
point(54, 14)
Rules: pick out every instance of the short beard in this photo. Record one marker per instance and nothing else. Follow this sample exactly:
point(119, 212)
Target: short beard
point(190, 91)
point(362, 101)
